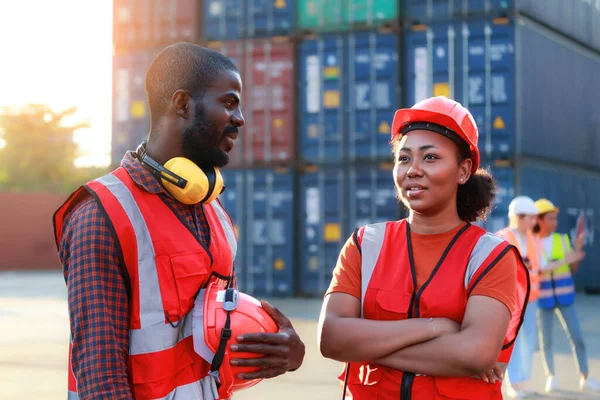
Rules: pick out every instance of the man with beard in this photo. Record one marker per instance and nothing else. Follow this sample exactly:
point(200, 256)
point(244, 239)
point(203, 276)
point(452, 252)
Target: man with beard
point(134, 257)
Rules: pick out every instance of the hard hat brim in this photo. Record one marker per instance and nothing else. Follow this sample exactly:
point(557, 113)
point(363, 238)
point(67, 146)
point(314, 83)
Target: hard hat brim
point(407, 115)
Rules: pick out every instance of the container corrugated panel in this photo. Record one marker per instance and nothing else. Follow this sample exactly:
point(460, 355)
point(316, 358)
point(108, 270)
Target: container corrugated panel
point(270, 232)
point(267, 72)
point(348, 95)
point(223, 20)
point(261, 205)
point(322, 227)
point(146, 23)
point(372, 94)
point(321, 91)
point(440, 10)
point(239, 19)
point(371, 195)
point(130, 115)
point(474, 64)
point(574, 191)
point(565, 125)
point(579, 19)
point(339, 15)
point(505, 192)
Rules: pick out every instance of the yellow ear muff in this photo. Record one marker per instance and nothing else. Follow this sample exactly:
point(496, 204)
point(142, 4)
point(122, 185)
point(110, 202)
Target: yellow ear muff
point(202, 186)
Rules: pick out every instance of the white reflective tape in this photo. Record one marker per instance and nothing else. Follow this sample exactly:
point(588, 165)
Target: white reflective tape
point(191, 391)
point(72, 396)
point(559, 291)
point(200, 345)
point(227, 228)
point(484, 247)
point(371, 248)
point(150, 301)
point(159, 337)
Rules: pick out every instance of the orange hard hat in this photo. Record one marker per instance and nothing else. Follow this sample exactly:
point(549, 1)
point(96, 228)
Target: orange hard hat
point(227, 313)
point(445, 114)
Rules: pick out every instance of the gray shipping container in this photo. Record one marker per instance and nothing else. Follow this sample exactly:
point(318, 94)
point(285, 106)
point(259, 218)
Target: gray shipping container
point(578, 19)
point(575, 191)
point(532, 91)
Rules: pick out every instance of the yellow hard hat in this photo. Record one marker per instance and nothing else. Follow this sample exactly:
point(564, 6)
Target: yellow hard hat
point(545, 206)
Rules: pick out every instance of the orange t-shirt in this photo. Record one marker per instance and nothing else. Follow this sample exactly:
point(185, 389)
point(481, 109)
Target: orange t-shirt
point(499, 283)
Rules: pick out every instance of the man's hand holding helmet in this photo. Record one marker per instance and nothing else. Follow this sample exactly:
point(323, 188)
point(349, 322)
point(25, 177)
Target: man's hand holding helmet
point(282, 351)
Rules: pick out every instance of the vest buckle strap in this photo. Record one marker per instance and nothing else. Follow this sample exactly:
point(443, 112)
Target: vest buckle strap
point(175, 322)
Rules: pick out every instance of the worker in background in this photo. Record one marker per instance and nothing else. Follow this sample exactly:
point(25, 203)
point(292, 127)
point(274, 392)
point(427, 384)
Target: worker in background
point(557, 295)
point(138, 244)
point(429, 305)
point(522, 215)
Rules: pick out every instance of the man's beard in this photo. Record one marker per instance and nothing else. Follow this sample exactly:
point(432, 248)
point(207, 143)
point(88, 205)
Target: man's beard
point(201, 141)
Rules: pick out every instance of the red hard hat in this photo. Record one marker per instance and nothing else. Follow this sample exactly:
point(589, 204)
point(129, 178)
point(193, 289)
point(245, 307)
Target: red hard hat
point(227, 313)
point(443, 112)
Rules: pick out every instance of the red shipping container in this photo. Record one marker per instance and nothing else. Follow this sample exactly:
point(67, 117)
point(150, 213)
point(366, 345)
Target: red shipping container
point(149, 23)
point(27, 234)
point(267, 70)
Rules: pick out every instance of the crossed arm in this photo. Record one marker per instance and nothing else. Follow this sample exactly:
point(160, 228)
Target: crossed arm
point(409, 345)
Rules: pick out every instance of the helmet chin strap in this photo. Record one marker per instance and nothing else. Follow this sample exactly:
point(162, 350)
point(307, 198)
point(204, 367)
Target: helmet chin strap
point(230, 303)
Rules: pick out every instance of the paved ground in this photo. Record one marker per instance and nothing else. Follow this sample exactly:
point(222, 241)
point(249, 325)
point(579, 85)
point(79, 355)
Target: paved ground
point(34, 335)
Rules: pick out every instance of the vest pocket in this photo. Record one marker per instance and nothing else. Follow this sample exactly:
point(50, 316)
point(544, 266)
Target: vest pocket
point(181, 277)
point(391, 305)
point(190, 272)
point(464, 388)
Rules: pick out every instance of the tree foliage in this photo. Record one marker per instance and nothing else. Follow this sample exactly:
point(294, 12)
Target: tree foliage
point(39, 151)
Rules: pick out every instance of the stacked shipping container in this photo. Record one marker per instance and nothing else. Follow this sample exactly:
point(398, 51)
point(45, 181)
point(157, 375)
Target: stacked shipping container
point(322, 80)
point(349, 89)
point(261, 178)
point(522, 69)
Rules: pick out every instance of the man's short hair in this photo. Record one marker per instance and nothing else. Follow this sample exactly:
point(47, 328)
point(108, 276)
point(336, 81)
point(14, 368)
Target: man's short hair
point(182, 66)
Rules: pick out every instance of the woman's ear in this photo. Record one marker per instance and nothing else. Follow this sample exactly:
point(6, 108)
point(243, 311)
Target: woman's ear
point(464, 171)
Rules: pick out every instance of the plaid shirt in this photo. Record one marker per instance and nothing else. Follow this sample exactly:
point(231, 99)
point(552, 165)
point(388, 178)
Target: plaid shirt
point(97, 289)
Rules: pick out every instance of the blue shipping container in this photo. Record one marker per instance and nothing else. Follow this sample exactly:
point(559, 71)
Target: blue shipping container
point(575, 192)
point(348, 94)
point(130, 113)
point(509, 75)
point(333, 202)
point(323, 227)
point(371, 195)
point(578, 19)
point(261, 204)
point(230, 20)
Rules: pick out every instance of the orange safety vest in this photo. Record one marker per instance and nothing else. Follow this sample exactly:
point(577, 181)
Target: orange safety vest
point(533, 255)
point(388, 293)
point(167, 267)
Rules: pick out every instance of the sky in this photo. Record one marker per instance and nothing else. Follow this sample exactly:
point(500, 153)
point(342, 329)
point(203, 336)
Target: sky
point(59, 52)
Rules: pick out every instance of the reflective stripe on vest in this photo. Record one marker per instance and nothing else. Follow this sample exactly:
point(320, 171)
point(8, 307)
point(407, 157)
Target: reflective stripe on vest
point(151, 308)
point(557, 287)
point(371, 247)
point(190, 391)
